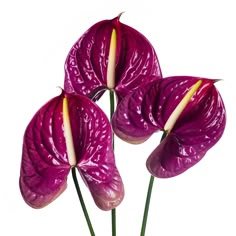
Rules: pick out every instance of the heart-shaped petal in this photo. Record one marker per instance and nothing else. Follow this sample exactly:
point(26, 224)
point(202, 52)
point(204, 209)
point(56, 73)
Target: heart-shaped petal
point(69, 125)
point(189, 109)
point(86, 66)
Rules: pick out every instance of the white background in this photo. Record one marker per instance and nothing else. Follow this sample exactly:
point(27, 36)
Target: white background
point(191, 38)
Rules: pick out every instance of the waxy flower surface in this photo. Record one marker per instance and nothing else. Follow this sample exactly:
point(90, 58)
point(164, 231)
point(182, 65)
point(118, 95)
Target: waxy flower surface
point(69, 131)
point(188, 109)
point(110, 55)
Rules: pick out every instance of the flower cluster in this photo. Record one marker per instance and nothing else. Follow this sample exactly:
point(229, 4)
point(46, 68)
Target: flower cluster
point(70, 130)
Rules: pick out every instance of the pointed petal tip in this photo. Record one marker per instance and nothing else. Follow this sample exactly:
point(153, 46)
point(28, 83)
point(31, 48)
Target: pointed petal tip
point(118, 17)
point(217, 80)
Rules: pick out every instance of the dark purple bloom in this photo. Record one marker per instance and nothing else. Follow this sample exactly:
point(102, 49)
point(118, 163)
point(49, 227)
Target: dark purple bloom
point(189, 109)
point(69, 130)
point(110, 55)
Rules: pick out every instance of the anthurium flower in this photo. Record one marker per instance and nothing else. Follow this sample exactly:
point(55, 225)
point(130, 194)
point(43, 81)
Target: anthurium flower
point(189, 110)
point(69, 131)
point(110, 55)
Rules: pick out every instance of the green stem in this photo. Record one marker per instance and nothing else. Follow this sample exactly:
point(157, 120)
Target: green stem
point(112, 109)
point(145, 214)
point(112, 105)
point(82, 201)
point(148, 198)
point(113, 221)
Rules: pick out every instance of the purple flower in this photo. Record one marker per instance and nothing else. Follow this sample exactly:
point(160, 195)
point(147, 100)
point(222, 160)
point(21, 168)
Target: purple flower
point(69, 130)
point(189, 110)
point(110, 55)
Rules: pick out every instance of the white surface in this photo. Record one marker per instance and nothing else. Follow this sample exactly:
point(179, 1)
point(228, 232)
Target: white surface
point(191, 38)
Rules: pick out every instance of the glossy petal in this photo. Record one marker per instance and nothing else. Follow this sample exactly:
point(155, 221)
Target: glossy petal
point(45, 159)
point(87, 62)
point(198, 128)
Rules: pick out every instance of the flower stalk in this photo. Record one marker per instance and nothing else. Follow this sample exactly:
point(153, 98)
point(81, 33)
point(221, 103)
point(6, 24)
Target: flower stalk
point(86, 215)
point(148, 198)
point(112, 109)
